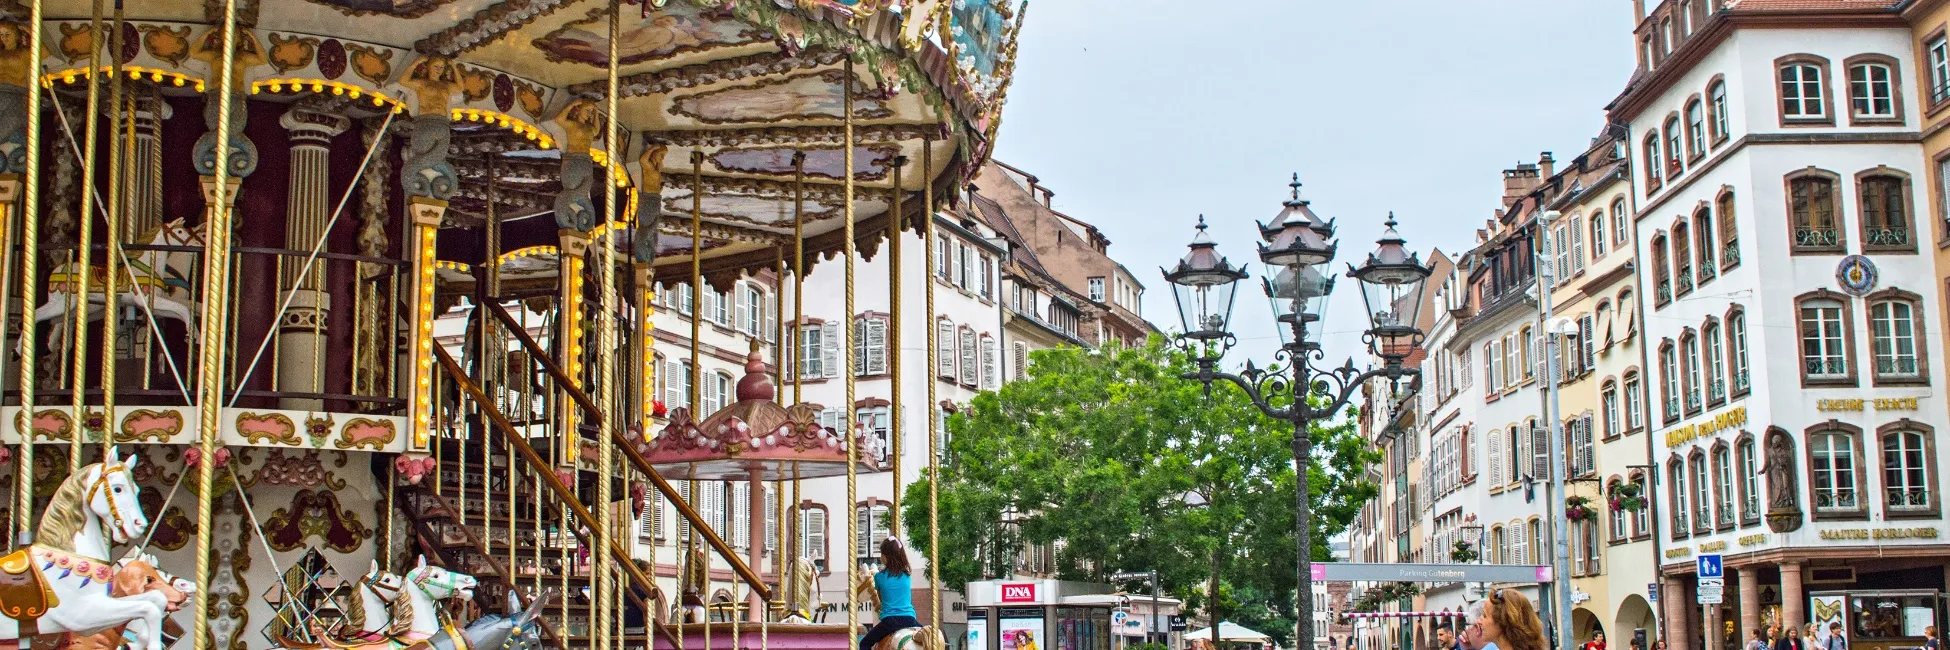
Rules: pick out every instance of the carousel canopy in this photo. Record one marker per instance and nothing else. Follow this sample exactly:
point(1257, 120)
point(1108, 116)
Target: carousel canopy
point(722, 105)
point(755, 438)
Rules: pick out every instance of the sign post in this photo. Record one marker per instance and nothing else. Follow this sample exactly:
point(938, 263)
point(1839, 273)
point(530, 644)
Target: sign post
point(1712, 580)
point(1140, 575)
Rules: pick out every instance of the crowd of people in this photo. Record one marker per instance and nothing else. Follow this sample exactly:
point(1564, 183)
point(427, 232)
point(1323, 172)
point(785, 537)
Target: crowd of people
point(1507, 621)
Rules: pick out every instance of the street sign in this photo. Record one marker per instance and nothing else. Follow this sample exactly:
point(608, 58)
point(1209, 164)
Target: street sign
point(1130, 575)
point(1652, 591)
point(1710, 567)
point(1177, 623)
point(1404, 572)
point(1712, 591)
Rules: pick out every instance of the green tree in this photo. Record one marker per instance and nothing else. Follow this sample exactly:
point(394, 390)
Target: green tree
point(1134, 468)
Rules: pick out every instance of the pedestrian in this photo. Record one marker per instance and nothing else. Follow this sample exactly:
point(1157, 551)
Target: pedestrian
point(1509, 622)
point(1635, 645)
point(1790, 642)
point(1759, 642)
point(1445, 638)
point(1835, 639)
point(1929, 639)
point(1597, 641)
point(634, 621)
point(894, 586)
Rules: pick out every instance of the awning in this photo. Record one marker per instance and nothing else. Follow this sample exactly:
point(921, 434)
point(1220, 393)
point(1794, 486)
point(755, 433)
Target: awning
point(1229, 631)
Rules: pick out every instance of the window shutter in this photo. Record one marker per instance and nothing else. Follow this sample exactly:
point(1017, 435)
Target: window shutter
point(1587, 335)
point(1496, 452)
point(771, 319)
point(860, 346)
point(1021, 361)
point(645, 524)
point(944, 349)
point(684, 523)
point(1586, 452)
point(876, 346)
point(742, 514)
point(829, 349)
point(969, 367)
point(772, 521)
point(1577, 248)
point(815, 537)
point(673, 384)
point(1540, 456)
point(988, 364)
point(657, 516)
point(880, 529)
point(745, 308)
point(1521, 554)
point(1537, 348)
point(862, 532)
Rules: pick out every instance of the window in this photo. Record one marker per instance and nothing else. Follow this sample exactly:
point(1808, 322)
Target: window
point(941, 256)
point(1811, 203)
point(1885, 213)
point(1509, 360)
point(1096, 289)
point(1020, 362)
point(1729, 234)
point(1577, 245)
point(1695, 128)
point(677, 389)
point(820, 347)
point(1597, 235)
point(1618, 530)
point(1584, 460)
point(1669, 378)
point(1702, 507)
point(717, 307)
point(1704, 244)
point(1716, 388)
point(1905, 474)
point(1685, 15)
point(1538, 550)
point(717, 393)
point(1561, 243)
point(1676, 473)
point(989, 377)
point(1893, 331)
point(1498, 541)
point(1737, 340)
point(1492, 351)
point(1587, 336)
point(812, 534)
point(1723, 502)
point(1939, 53)
point(751, 310)
point(1673, 135)
point(1661, 272)
point(1824, 341)
point(1682, 259)
point(1872, 91)
point(1717, 94)
point(987, 270)
point(1652, 162)
point(1802, 97)
point(1609, 404)
point(1831, 461)
point(1621, 228)
point(1518, 449)
point(869, 346)
point(879, 428)
point(1527, 360)
point(686, 299)
point(944, 349)
point(969, 365)
point(1943, 205)
point(1496, 464)
point(1634, 411)
point(1749, 482)
point(1692, 377)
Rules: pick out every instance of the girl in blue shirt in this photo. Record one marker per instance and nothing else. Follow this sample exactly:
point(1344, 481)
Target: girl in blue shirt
point(896, 594)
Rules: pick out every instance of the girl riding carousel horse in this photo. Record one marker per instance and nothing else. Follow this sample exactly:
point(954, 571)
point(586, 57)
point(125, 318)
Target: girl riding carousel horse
point(894, 590)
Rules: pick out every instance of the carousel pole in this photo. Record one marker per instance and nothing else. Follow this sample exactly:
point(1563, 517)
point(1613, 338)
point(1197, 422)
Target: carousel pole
point(606, 359)
point(216, 265)
point(894, 343)
point(111, 276)
point(934, 421)
point(83, 257)
point(30, 211)
point(798, 338)
point(695, 395)
point(847, 416)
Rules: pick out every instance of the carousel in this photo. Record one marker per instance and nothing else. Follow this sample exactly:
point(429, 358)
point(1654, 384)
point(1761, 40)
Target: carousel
point(230, 228)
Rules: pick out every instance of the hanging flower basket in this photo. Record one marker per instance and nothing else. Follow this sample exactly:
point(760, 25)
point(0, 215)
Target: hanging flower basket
point(1463, 553)
point(1578, 509)
point(1625, 497)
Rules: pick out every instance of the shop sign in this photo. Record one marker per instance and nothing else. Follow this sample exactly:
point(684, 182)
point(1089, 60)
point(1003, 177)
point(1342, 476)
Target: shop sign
point(1756, 538)
point(1682, 551)
point(1879, 533)
point(1727, 419)
point(1017, 592)
point(1859, 404)
point(1709, 547)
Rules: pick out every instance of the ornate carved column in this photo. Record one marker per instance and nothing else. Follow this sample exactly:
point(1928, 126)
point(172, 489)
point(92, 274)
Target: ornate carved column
point(649, 221)
point(575, 217)
point(429, 181)
point(301, 330)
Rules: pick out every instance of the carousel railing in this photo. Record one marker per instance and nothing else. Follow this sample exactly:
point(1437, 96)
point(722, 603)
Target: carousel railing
point(573, 516)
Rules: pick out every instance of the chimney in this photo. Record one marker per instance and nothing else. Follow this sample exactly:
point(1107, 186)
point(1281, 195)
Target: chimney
point(1046, 199)
point(1518, 182)
point(1547, 164)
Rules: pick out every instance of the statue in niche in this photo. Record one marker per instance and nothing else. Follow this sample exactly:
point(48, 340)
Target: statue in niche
point(1783, 500)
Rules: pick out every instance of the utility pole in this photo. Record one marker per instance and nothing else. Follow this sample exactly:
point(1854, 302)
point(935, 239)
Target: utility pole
point(1554, 497)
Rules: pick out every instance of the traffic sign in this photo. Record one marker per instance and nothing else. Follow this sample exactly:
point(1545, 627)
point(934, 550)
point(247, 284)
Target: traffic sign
point(1710, 567)
point(1711, 590)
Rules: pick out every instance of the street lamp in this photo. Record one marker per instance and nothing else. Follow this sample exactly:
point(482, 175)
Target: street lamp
point(1297, 245)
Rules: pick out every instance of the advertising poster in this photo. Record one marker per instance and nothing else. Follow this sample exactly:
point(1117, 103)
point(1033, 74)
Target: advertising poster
point(1823, 610)
point(1021, 633)
point(975, 637)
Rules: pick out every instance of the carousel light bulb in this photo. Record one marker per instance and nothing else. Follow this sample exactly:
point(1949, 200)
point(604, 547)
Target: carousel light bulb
point(156, 76)
point(135, 74)
point(355, 93)
point(317, 87)
point(67, 78)
point(277, 87)
point(338, 89)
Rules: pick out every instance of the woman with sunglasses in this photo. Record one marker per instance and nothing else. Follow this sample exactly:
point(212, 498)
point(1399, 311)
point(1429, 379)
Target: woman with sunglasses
point(1509, 622)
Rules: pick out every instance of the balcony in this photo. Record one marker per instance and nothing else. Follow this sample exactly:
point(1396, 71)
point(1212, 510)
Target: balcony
point(1887, 237)
point(1750, 508)
point(1726, 516)
point(1740, 380)
point(1730, 255)
point(1826, 368)
point(1907, 498)
point(1692, 400)
point(1672, 409)
point(1716, 390)
point(1679, 524)
point(1896, 366)
point(1836, 499)
point(1817, 237)
point(1664, 292)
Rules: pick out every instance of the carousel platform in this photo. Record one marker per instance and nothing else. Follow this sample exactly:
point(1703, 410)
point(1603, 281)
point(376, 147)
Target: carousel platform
point(781, 636)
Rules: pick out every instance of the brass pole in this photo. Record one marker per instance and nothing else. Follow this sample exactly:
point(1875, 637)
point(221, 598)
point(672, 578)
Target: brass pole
point(798, 279)
point(30, 212)
point(606, 358)
point(216, 265)
point(688, 546)
point(934, 362)
point(894, 343)
point(111, 277)
point(83, 258)
point(847, 416)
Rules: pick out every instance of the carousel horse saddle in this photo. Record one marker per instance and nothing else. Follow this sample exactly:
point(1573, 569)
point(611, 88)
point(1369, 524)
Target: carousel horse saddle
point(24, 592)
point(917, 635)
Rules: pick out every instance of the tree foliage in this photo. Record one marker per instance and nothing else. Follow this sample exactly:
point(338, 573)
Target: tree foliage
point(1132, 468)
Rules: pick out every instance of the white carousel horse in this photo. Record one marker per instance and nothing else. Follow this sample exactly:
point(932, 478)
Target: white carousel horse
point(803, 598)
point(135, 575)
point(61, 584)
point(372, 610)
point(163, 278)
point(425, 587)
point(696, 579)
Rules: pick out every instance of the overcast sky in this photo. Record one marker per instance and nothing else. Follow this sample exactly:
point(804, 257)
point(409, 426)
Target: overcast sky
point(1143, 114)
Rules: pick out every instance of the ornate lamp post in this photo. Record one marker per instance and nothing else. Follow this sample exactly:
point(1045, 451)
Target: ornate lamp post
point(1296, 248)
